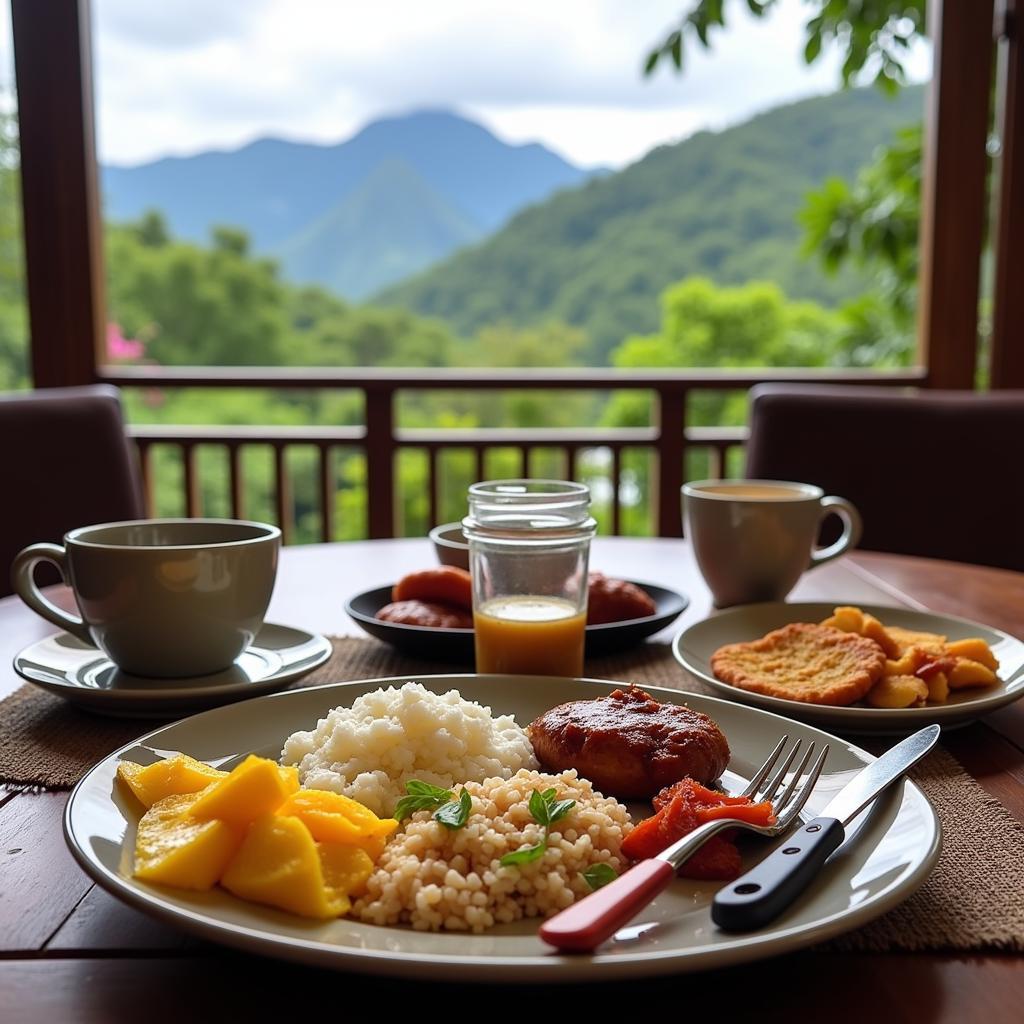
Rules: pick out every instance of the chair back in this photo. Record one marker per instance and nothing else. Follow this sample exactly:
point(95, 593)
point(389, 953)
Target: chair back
point(65, 461)
point(934, 473)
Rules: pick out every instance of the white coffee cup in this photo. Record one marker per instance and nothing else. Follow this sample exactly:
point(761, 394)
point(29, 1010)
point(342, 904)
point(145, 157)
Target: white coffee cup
point(753, 539)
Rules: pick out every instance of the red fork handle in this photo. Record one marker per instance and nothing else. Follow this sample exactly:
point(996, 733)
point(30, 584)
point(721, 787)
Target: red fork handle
point(586, 924)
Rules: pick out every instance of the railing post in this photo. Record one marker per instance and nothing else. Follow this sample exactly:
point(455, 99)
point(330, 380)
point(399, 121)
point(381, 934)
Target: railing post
point(955, 165)
point(1007, 351)
point(60, 196)
point(380, 462)
point(671, 456)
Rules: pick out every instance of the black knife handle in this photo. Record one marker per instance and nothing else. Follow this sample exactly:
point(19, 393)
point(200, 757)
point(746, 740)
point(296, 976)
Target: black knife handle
point(766, 890)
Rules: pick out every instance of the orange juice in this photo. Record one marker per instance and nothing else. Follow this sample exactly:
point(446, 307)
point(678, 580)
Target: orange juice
point(533, 635)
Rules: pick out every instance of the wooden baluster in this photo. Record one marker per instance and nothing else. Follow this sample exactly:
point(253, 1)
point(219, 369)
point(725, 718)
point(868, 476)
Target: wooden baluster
point(193, 499)
point(524, 461)
point(326, 467)
point(380, 463)
point(717, 461)
point(616, 473)
point(281, 494)
point(237, 484)
point(432, 487)
point(146, 466)
point(671, 457)
point(481, 463)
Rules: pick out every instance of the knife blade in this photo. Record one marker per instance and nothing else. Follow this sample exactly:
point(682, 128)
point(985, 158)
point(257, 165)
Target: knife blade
point(766, 890)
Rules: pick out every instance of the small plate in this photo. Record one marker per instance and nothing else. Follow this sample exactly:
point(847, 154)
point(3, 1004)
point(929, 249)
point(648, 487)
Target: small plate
point(694, 647)
point(456, 645)
point(889, 851)
point(85, 676)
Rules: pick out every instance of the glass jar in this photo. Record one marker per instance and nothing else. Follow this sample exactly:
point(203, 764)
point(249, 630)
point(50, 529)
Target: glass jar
point(529, 547)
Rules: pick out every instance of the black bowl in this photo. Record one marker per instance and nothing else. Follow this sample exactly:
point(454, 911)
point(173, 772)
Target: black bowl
point(456, 645)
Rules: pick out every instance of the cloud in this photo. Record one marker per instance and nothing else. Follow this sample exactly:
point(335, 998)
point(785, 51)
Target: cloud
point(181, 77)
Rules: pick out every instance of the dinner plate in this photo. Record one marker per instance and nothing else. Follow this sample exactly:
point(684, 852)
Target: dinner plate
point(456, 645)
point(84, 675)
point(694, 647)
point(889, 851)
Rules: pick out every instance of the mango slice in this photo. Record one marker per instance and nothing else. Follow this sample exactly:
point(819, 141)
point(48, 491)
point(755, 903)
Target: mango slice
point(345, 868)
point(174, 848)
point(256, 787)
point(169, 777)
point(333, 818)
point(938, 687)
point(279, 864)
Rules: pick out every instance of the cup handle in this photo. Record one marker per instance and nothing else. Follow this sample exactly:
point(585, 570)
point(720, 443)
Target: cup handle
point(852, 529)
point(24, 584)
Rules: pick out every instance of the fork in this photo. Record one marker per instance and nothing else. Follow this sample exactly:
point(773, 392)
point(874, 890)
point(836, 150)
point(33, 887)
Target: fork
point(597, 917)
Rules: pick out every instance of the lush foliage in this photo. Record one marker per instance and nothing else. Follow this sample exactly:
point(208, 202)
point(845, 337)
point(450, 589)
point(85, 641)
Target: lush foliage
point(719, 205)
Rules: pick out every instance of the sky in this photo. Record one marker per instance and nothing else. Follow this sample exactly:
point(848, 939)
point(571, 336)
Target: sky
point(181, 77)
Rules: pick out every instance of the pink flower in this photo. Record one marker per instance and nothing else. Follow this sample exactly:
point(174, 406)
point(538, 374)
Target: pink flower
point(120, 347)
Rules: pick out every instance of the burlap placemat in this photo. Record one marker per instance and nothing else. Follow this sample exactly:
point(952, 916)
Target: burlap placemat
point(973, 901)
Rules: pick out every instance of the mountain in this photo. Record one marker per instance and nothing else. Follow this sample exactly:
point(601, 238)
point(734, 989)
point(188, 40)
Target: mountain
point(289, 196)
point(721, 204)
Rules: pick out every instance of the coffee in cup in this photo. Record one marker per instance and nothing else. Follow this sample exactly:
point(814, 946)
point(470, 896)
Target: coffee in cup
point(753, 539)
point(170, 598)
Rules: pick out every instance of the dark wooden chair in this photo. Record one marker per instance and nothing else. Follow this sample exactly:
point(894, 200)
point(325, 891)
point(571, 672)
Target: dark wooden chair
point(65, 461)
point(934, 473)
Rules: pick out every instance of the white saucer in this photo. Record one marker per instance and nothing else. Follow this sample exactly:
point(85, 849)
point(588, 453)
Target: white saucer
point(64, 665)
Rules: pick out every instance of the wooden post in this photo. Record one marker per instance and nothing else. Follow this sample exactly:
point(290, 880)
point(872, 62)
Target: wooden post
point(60, 196)
point(1007, 354)
point(671, 459)
point(380, 463)
point(953, 199)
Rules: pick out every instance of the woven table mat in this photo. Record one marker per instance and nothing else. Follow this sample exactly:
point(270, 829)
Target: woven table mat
point(971, 902)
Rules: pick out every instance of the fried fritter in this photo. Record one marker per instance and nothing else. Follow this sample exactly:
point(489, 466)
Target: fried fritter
point(628, 744)
point(803, 661)
point(426, 613)
point(611, 600)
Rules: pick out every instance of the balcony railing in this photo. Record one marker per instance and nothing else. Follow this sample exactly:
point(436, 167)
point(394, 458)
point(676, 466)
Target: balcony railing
point(380, 440)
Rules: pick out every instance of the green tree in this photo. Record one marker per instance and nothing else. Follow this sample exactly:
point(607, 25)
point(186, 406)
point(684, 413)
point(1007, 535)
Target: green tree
point(873, 222)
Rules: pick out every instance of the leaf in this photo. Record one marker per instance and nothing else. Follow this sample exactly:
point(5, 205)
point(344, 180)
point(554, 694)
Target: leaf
point(559, 810)
point(598, 875)
point(421, 796)
point(525, 854)
point(813, 48)
point(456, 813)
point(652, 61)
point(539, 808)
point(417, 788)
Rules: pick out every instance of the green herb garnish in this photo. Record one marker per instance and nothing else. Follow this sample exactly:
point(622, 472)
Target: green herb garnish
point(546, 810)
point(455, 813)
point(598, 875)
point(421, 796)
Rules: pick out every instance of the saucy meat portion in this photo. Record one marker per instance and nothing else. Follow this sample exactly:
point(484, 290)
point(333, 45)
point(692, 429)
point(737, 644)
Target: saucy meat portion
point(628, 744)
point(426, 613)
point(610, 600)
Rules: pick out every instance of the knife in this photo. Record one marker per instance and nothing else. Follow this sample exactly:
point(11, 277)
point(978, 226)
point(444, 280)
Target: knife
point(766, 890)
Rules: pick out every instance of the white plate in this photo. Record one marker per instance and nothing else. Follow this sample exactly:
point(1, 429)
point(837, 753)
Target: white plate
point(694, 647)
point(83, 675)
point(892, 849)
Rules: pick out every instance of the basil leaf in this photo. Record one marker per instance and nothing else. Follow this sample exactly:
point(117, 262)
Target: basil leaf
point(538, 807)
point(455, 814)
point(525, 854)
point(548, 795)
point(598, 875)
point(559, 810)
point(414, 787)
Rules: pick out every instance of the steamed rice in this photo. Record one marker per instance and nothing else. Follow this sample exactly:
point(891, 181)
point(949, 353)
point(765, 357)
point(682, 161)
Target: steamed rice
point(371, 749)
point(436, 878)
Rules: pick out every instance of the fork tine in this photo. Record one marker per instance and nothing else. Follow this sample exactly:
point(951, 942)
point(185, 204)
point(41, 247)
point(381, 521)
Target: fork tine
point(765, 768)
point(794, 779)
point(801, 798)
point(769, 791)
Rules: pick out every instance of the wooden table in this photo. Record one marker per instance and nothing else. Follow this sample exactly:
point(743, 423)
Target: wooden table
point(70, 952)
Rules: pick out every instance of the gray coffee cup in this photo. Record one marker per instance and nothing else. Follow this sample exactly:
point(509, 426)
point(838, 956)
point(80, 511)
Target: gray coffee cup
point(169, 598)
point(753, 539)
